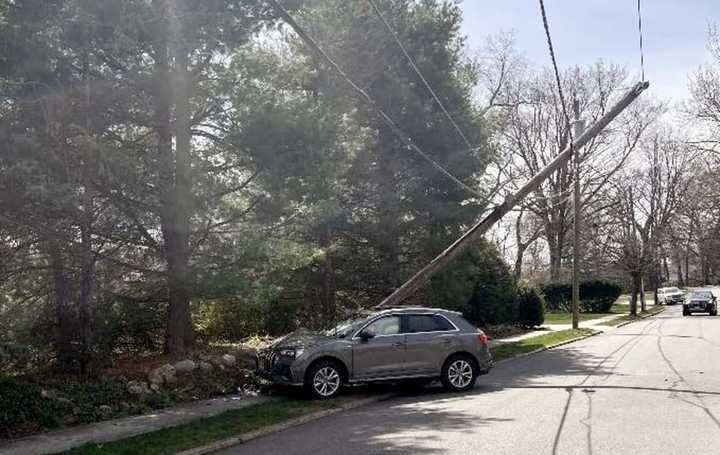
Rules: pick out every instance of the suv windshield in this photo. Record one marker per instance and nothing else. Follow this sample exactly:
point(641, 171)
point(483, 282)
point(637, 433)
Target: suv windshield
point(344, 328)
point(701, 295)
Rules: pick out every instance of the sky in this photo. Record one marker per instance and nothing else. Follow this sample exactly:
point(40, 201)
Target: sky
point(583, 31)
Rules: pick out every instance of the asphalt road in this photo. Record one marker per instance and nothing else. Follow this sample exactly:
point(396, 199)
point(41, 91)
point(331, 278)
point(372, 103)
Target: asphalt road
point(652, 387)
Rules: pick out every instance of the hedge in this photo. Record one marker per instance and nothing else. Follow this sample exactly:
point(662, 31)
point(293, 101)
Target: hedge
point(530, 307)
point(596, 296)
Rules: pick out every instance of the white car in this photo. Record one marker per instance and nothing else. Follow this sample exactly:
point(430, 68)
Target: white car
point(670, 296)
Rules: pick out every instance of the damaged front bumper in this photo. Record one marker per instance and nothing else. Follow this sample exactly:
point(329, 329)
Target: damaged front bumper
point(276, 369)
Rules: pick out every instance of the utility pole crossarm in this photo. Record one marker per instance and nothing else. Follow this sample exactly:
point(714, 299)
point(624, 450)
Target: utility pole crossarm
point(479, 229)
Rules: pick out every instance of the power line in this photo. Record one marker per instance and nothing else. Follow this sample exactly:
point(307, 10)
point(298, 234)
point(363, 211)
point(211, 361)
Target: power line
point(557, 73)
point(417, 71)
point(640, 35)
point(404, 137)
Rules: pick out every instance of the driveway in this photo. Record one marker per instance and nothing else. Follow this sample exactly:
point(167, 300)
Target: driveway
point(652, 387)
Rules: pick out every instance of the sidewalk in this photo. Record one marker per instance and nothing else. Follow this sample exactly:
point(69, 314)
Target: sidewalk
point(110, 430)
point(595, 324)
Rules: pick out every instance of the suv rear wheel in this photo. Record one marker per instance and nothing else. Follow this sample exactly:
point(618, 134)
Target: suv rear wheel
point(459, 373)
point(324, 379)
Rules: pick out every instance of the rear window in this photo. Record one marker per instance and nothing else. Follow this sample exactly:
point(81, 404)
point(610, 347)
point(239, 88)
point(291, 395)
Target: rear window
point(427, 323)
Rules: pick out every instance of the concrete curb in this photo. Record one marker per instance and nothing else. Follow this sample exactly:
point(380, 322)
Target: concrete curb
point(552, 346)
point(623, 324)
point(245, 437)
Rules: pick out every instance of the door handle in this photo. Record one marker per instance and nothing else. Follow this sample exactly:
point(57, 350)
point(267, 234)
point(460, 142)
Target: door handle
point(398, 344)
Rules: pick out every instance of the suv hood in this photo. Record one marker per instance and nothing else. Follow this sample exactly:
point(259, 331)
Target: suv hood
point(302, 338)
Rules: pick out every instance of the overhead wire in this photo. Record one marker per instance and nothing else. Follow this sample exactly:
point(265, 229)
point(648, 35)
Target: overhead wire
point(557, 73)
point(417, 71)
point(640, 35)
point(404, 137)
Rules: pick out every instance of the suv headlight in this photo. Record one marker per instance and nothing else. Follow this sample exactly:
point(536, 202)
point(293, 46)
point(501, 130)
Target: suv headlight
point(292, 353)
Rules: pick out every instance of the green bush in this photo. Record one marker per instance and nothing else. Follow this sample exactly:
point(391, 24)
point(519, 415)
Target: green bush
point(596, 296)
point(23, 408)
point(530, 307)
point(480, 285)
point(557, 296)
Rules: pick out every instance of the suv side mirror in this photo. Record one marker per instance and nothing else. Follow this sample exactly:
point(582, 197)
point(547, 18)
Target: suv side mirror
point(365, 335)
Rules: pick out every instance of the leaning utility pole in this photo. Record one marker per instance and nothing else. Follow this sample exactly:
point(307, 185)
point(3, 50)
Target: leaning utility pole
point(475, 232)
point(578, 127)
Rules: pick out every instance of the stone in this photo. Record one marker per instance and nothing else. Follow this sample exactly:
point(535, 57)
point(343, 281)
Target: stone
point(138, 388)
point(49, 394)
point(229, 360)
point(185, 366)
point(162, 375)
point(205, 366)
point(105, 410)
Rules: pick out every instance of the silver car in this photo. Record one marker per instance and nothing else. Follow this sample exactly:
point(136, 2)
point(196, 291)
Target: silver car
point(389, 345)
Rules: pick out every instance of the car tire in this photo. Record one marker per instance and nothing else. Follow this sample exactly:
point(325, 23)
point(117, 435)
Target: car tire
point(324, 379)
point(459, 373)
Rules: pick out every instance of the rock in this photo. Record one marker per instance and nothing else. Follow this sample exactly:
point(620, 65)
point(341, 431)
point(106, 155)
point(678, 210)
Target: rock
point(229, 360)
point(162, 375)
point(154, 387)
point(49, 394)
point(185, 366)
point(138, 388)
point(205, 366)
point(105, 410)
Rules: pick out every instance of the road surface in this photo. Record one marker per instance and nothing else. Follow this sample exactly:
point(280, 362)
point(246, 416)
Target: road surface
point(652, 387)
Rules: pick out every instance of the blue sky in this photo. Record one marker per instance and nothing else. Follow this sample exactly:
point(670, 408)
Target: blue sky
point(584, 31)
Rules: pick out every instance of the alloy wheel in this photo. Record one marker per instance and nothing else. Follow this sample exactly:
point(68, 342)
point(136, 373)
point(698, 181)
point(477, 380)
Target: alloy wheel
point(460, 373)
point(326, 381)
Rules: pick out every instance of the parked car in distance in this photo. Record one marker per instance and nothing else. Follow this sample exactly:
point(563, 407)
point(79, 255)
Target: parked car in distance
point(670, 296)
point(700, 301)
point(389, 345)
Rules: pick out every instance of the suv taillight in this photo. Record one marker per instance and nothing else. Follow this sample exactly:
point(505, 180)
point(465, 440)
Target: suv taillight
point(483, 339)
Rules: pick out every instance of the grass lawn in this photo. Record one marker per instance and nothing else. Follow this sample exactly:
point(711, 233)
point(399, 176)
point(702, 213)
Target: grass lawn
point(653, 309)
point(507, 350)
point(566, 318)
point(210, 429)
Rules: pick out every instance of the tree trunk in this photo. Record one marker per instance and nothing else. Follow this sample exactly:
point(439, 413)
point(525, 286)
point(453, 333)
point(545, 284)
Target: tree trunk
point(87, 279)
point(87, 259)
point(518, 263)
point(175, 185)
point(643, 306)
point(634, 293)
point(63, 313)
point(555, 248)
point(678, 264)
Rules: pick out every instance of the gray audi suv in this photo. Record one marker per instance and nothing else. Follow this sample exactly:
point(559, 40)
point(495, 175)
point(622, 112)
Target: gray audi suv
point(389, 345)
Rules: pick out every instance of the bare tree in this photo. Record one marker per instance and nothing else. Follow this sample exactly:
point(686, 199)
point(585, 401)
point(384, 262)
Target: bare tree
point(536, 129)
point(647, 199)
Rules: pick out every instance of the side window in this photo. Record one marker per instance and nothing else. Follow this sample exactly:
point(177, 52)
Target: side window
point(388, 325)
point(427, 323)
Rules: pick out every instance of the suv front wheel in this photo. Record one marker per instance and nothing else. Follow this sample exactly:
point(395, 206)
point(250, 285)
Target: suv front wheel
point(324, 379)
point(459, 373)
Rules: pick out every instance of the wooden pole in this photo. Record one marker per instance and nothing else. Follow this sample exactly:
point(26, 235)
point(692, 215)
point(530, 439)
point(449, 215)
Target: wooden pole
point(578, 126)
point(475, 232)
